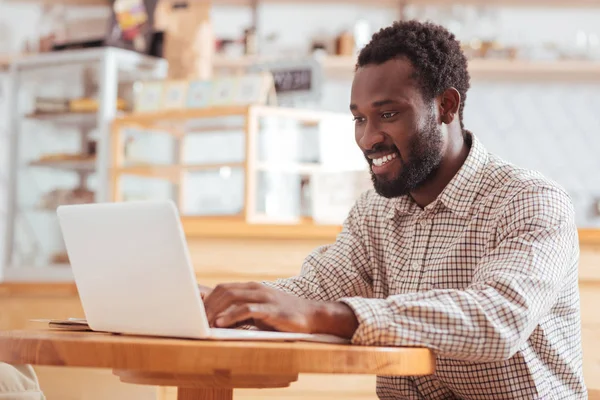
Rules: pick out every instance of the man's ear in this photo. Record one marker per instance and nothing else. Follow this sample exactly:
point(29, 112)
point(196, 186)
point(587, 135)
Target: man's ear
point(449, 105)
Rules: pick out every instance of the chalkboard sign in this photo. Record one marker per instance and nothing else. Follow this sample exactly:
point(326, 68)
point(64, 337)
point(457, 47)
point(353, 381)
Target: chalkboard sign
point(299, 79)
point(292, 80)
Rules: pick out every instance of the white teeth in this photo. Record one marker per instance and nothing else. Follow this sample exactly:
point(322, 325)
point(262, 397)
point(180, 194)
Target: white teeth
point(384, 160)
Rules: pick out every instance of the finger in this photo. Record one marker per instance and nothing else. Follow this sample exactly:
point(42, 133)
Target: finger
point(217, 303)
point(223, 288)
point(211, 323)
point(204, 291)
point(237, 285)
point(236, 314)
point(223, 295)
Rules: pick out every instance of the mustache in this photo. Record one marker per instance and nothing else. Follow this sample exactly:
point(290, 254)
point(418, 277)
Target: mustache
point(380, 148)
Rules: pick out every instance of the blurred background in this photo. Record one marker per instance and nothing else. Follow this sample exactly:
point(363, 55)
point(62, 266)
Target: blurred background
point(237, 110)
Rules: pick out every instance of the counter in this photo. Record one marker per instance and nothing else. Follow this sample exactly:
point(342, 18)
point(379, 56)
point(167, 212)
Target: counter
point(248, 255)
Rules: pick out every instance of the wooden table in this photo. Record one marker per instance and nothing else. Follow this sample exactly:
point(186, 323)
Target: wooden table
point(207, 369)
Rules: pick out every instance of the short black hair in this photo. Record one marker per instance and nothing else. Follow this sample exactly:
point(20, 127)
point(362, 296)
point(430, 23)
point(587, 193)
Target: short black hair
point(434, 52)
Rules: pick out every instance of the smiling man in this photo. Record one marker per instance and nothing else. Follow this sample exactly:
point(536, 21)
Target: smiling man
point(454, 249)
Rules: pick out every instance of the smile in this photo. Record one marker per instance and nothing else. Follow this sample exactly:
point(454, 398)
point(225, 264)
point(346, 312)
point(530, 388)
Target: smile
point(384, 160)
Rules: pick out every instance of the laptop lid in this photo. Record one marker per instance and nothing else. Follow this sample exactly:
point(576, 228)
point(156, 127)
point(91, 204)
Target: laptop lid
point(132, 268)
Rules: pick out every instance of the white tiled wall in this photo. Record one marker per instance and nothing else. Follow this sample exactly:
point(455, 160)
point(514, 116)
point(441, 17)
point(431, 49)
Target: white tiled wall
point(553, 128)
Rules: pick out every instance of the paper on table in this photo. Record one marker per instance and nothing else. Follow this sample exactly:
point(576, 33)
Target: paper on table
point(70, 324)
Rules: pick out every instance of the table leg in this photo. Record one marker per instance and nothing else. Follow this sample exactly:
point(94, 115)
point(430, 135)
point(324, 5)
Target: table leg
point(218, 385)
point(184, 393)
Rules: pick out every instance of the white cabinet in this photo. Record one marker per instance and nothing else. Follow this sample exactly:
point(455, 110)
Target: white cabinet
point(60, 107)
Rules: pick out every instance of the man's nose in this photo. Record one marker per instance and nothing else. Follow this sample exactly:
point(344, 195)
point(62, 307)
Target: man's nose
point(371, 137)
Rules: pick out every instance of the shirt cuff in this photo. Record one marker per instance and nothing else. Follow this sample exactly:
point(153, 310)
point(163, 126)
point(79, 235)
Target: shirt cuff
point(374, 320)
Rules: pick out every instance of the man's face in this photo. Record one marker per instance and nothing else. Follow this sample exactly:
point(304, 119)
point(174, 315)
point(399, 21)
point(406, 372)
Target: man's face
point(396, 129)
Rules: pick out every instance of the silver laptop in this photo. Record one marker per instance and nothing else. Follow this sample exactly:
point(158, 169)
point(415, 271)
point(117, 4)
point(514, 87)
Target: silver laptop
point(134, 274)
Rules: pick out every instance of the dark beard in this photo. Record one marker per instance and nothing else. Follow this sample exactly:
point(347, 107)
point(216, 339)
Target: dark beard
point(426, 155)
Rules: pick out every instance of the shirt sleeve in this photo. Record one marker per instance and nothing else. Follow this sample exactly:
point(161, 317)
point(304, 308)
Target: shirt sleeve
point(337, 270)
point(19, 382)
point(514, 286)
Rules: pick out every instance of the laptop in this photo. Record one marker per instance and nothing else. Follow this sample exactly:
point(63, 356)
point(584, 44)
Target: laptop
point(134, 274)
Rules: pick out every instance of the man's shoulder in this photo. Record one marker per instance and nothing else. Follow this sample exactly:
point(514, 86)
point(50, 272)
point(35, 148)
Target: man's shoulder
point(499, 184)
point(503, 183)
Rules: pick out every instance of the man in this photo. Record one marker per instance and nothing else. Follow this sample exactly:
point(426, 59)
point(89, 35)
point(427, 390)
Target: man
point(454, 250)
point(19, 382)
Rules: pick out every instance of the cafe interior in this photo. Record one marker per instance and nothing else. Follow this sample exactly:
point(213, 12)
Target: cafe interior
point(237, 111)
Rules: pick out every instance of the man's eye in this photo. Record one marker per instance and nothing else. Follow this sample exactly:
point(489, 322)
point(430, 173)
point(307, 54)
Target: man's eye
point(388, 115)
point(358, 119)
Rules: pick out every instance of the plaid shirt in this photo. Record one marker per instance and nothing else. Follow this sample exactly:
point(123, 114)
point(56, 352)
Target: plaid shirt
point(486, 276)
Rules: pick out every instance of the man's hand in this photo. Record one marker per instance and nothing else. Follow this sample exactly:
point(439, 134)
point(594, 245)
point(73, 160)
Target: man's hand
point(234, 303)
point(204, 291)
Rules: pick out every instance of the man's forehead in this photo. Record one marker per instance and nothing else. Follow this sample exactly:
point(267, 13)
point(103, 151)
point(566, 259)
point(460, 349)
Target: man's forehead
point(394, 78)
point(400, 68)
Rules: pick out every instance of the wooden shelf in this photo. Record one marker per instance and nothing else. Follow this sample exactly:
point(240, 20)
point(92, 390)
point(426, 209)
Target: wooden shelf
point(54, 289)
point(67, 2)
point(236, 228)
point(171, 172)
point(384, 3)
point(65, 118)
point(396, 4)
point(521, 69)
point(152, 118)
point(7, 59)
point(589, 237)
point(166, 118)
point(83, 165)
point(478, 68)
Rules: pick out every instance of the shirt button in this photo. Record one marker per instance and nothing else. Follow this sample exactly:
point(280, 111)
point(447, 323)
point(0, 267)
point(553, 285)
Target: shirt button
point(423, 222)
point(415, 266)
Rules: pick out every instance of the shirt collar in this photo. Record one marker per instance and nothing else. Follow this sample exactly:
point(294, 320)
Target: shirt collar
point(402, 205)
point(459, 195)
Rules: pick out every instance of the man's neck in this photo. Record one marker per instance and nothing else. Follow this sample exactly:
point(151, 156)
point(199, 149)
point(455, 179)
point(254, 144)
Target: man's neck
point(454, 157)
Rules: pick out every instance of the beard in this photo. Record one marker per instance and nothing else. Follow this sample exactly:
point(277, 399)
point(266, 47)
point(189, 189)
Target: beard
point(425, 157)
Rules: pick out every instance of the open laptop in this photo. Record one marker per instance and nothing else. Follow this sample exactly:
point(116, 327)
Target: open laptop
point(134, 273)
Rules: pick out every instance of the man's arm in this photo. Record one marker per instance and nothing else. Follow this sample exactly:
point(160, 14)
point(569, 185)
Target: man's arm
point(513, 288)
point(331, 272)
point(337, 270)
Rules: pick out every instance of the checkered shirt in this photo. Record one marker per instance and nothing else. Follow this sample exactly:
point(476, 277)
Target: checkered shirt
point(486, 276)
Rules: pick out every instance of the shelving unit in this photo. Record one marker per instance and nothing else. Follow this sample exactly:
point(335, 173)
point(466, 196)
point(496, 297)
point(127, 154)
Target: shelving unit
point(253, 208)
point(487, 68)
point(343, 66)
point(53, 153)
